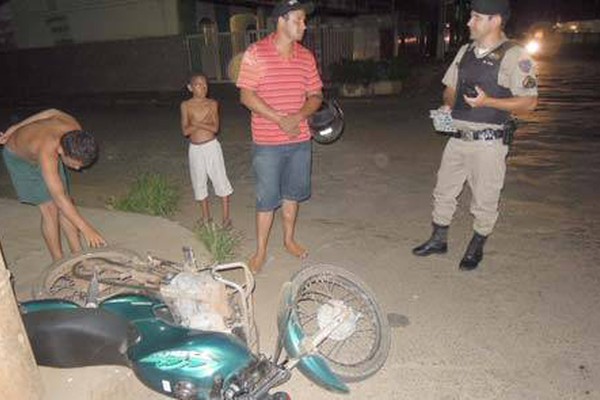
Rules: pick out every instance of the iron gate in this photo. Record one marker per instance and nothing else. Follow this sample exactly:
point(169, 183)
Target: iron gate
point(218, 55)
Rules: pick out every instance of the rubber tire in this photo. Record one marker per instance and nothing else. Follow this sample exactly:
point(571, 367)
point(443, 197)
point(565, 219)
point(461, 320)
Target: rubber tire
point(366, 369)
point(64, 267)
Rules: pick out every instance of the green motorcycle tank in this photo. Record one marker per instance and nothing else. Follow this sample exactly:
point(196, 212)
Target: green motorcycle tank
point(168, 357)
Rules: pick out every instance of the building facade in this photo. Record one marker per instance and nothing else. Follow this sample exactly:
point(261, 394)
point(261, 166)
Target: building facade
point(46, 23)
point(69, 47)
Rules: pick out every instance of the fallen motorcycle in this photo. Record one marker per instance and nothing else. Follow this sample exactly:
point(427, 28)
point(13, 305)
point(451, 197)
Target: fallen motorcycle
point(189, 333)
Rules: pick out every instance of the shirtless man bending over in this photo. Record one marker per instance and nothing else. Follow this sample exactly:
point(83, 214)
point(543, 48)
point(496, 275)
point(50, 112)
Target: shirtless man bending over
point(36, 152)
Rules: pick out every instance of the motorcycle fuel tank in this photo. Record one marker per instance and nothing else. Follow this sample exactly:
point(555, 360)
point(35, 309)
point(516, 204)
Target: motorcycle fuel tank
point(174, 360)
point(202, 364)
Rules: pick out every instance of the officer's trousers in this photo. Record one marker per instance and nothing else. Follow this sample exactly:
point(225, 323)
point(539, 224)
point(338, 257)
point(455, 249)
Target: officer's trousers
point(483, 165)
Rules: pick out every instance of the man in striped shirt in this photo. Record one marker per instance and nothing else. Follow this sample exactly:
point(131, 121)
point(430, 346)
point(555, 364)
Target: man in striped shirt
point(280, 84)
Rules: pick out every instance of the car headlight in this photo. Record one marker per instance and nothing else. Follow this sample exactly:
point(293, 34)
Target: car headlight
point(533, 46)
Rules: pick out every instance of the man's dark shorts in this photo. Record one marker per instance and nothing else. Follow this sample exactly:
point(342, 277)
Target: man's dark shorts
point(281, 173)
point(28, 181)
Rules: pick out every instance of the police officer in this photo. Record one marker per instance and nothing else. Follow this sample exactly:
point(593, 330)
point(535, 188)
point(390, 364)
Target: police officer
point(490, 79)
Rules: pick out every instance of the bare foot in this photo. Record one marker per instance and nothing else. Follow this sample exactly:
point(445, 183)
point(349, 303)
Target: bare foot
point(256, 262)
point(226, 224)
point(296, 250)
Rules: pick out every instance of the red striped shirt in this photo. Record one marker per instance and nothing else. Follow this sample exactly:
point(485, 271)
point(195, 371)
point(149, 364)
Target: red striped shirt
point(281, 83)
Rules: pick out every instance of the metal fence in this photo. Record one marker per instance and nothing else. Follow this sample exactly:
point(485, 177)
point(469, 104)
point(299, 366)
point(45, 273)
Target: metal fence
point(218, 55)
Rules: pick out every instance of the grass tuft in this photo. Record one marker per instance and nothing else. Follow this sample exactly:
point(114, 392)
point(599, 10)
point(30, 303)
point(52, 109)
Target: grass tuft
point(220, 242)
point(152, 194)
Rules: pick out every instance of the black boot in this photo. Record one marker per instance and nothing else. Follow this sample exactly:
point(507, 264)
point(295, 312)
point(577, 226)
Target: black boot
point(437, 243)
point(474, 253)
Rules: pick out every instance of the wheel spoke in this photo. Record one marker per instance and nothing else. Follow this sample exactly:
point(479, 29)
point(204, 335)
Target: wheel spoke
point(336, 347)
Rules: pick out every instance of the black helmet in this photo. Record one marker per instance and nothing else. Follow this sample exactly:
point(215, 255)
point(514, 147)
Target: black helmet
point(327, 123)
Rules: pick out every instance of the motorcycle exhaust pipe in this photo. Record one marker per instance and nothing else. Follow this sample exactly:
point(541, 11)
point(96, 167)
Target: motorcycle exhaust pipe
point(19, 374)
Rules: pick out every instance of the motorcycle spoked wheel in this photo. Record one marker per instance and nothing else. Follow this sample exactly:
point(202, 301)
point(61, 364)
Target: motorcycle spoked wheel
point(61, 279)
point(362, 348)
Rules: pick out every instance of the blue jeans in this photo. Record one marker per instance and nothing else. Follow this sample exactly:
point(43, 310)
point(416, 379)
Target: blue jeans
point(281, 172)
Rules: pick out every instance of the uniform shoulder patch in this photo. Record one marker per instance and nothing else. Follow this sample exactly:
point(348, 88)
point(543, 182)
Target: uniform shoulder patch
point(525, 66)
point(529, 82)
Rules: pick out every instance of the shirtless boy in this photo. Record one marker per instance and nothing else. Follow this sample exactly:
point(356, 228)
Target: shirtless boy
point(36, 152)
point(200, 123)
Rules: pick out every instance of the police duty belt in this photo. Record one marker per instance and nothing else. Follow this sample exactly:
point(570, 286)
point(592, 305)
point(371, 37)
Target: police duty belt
point(484, 134)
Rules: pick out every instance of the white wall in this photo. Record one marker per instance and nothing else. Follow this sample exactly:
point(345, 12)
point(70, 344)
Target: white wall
point(42, 23)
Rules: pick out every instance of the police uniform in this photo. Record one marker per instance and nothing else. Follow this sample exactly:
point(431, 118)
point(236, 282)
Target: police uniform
point(502, 72)
point(477, 151)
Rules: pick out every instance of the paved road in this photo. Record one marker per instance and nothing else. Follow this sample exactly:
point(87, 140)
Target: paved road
point(561, 140)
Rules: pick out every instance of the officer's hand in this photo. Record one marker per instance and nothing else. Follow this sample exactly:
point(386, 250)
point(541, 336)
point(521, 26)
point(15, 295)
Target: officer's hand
point(477, 101)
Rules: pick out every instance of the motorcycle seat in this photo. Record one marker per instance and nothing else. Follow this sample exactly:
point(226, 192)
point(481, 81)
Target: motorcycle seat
point(79, 337)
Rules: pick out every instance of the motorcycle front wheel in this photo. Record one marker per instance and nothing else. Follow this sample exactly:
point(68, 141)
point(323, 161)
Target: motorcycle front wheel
point(359, 348)
point(63, 279)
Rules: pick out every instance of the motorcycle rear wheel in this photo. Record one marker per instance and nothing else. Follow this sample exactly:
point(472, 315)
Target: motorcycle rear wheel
point(61, 280)
point(362, 353)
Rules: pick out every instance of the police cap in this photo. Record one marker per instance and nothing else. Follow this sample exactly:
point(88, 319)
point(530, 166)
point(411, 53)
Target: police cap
point(491, 7)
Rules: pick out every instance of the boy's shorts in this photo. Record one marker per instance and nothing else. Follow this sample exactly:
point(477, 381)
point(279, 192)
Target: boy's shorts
point(28, 181)
point(206, 161)
point(282, 173)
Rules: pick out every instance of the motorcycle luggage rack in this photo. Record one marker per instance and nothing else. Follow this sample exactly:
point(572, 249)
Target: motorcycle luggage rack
point(244, 291)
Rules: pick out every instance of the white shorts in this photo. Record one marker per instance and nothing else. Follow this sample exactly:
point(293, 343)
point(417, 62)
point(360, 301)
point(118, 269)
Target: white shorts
point(206, 161)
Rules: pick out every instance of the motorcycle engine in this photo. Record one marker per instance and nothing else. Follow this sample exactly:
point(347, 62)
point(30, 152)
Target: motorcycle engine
point(198, 301)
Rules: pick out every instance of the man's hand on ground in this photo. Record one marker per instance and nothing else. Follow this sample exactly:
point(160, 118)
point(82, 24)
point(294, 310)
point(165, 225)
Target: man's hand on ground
point(93, 238)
